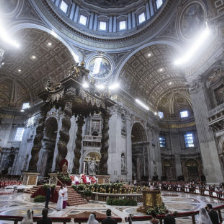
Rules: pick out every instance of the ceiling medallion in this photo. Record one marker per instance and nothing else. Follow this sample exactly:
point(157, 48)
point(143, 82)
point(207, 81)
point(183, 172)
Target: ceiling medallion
point(192, 20)
point(100, 67)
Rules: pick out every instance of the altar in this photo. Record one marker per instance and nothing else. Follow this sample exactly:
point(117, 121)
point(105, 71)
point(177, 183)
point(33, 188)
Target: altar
point(71, 99)
point(151, 199)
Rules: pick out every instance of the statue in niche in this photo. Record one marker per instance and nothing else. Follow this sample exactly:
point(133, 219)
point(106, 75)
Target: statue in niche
point(92, 167)
point(123, 166)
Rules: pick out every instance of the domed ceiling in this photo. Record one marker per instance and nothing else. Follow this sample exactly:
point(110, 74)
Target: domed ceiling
point(27, 69)
point(150, 74)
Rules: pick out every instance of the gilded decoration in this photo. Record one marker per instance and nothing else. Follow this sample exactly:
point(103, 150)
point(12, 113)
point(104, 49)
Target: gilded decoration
point(100, 67)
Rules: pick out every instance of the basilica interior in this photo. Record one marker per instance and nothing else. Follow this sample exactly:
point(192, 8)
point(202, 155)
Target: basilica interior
point(132, 90)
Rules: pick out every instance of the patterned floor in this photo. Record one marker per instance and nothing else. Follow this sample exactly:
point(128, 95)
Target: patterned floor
point(19, 203)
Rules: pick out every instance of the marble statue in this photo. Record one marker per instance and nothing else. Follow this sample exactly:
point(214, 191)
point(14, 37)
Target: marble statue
point(92, 167)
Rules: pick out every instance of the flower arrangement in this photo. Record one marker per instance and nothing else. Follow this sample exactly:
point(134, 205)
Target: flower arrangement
point(158, 210)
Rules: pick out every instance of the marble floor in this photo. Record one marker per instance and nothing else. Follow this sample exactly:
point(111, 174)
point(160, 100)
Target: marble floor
point(18, 203)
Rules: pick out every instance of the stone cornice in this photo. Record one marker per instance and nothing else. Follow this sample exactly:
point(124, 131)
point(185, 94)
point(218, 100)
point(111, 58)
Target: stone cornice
point(110, 43)
point(110, 10)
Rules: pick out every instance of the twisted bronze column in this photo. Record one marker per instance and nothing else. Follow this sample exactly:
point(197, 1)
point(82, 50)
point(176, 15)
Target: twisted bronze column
point(37, 143)
point(104, 143)
point(78, 144)
point(64, 134)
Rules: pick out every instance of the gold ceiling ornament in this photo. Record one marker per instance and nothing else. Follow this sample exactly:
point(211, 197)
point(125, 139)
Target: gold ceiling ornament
point(78, 72)
point(51, 87)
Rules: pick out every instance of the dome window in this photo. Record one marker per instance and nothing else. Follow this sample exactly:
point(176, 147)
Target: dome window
point(160, 114)
point(189, 140)
point(184, 114)
point(83, 20)
point(25, 106)
point(159, 3)
point(141, 18)
point(64, 6)
point(122, 25)
point(103, 25)
point(162, 142)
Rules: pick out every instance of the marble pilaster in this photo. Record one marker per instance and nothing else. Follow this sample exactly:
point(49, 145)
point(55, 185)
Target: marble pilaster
point(212, 167)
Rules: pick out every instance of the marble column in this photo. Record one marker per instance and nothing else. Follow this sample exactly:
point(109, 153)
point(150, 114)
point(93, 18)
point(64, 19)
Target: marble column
point(209, 153)
point(104, 144)
point(78, 144)
point(129, 147)
point(178, 165)
point(37, 143)
point(2, 52)
point(64, 134)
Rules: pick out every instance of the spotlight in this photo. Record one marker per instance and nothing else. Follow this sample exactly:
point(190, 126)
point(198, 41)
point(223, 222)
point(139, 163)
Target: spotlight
point(197, 44)
point(149, 55)
point(114, 86)
point(19, 70)
point(100, 86)
point(4, 36)
point(49, 44)
point(33, 57)
point(85, 85)
point(142, 104)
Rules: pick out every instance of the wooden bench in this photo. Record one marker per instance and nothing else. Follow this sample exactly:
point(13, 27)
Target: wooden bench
point(17, 219)
point(85, 219)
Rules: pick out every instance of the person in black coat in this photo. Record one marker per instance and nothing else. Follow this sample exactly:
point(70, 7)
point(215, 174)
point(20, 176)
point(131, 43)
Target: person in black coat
point(48, 196)
point(108, 220)
point(169, 218)
point(45, 219)
point(212, 214)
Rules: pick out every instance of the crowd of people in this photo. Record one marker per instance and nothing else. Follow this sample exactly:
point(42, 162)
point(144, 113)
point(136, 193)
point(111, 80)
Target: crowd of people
point(28, 219)
point(206, 215)
point(191, 187)
point(6, 181)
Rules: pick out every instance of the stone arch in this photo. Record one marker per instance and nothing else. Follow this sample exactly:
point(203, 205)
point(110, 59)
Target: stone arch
point(171, 42)
point(91, 163)
point(168, 169)
point(140, 163)
point(24, 25)
point(191, 170)
point(49, 142)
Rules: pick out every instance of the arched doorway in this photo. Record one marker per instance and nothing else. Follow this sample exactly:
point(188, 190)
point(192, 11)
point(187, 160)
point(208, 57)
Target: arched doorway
point(51, 127)
point(168, 169)
point(91, 163)
point(191, 170)
point(140, 170)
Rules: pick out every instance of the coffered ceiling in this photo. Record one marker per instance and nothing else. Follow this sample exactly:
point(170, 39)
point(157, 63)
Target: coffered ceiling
point(40, 57)
point(150, 74)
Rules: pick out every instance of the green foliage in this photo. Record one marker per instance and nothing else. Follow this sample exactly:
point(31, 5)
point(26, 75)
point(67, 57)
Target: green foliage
point(158, 210)
point(121, 202)
point(48, 185)
point(65, 179)
point(39, 198)
point(87, 193)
